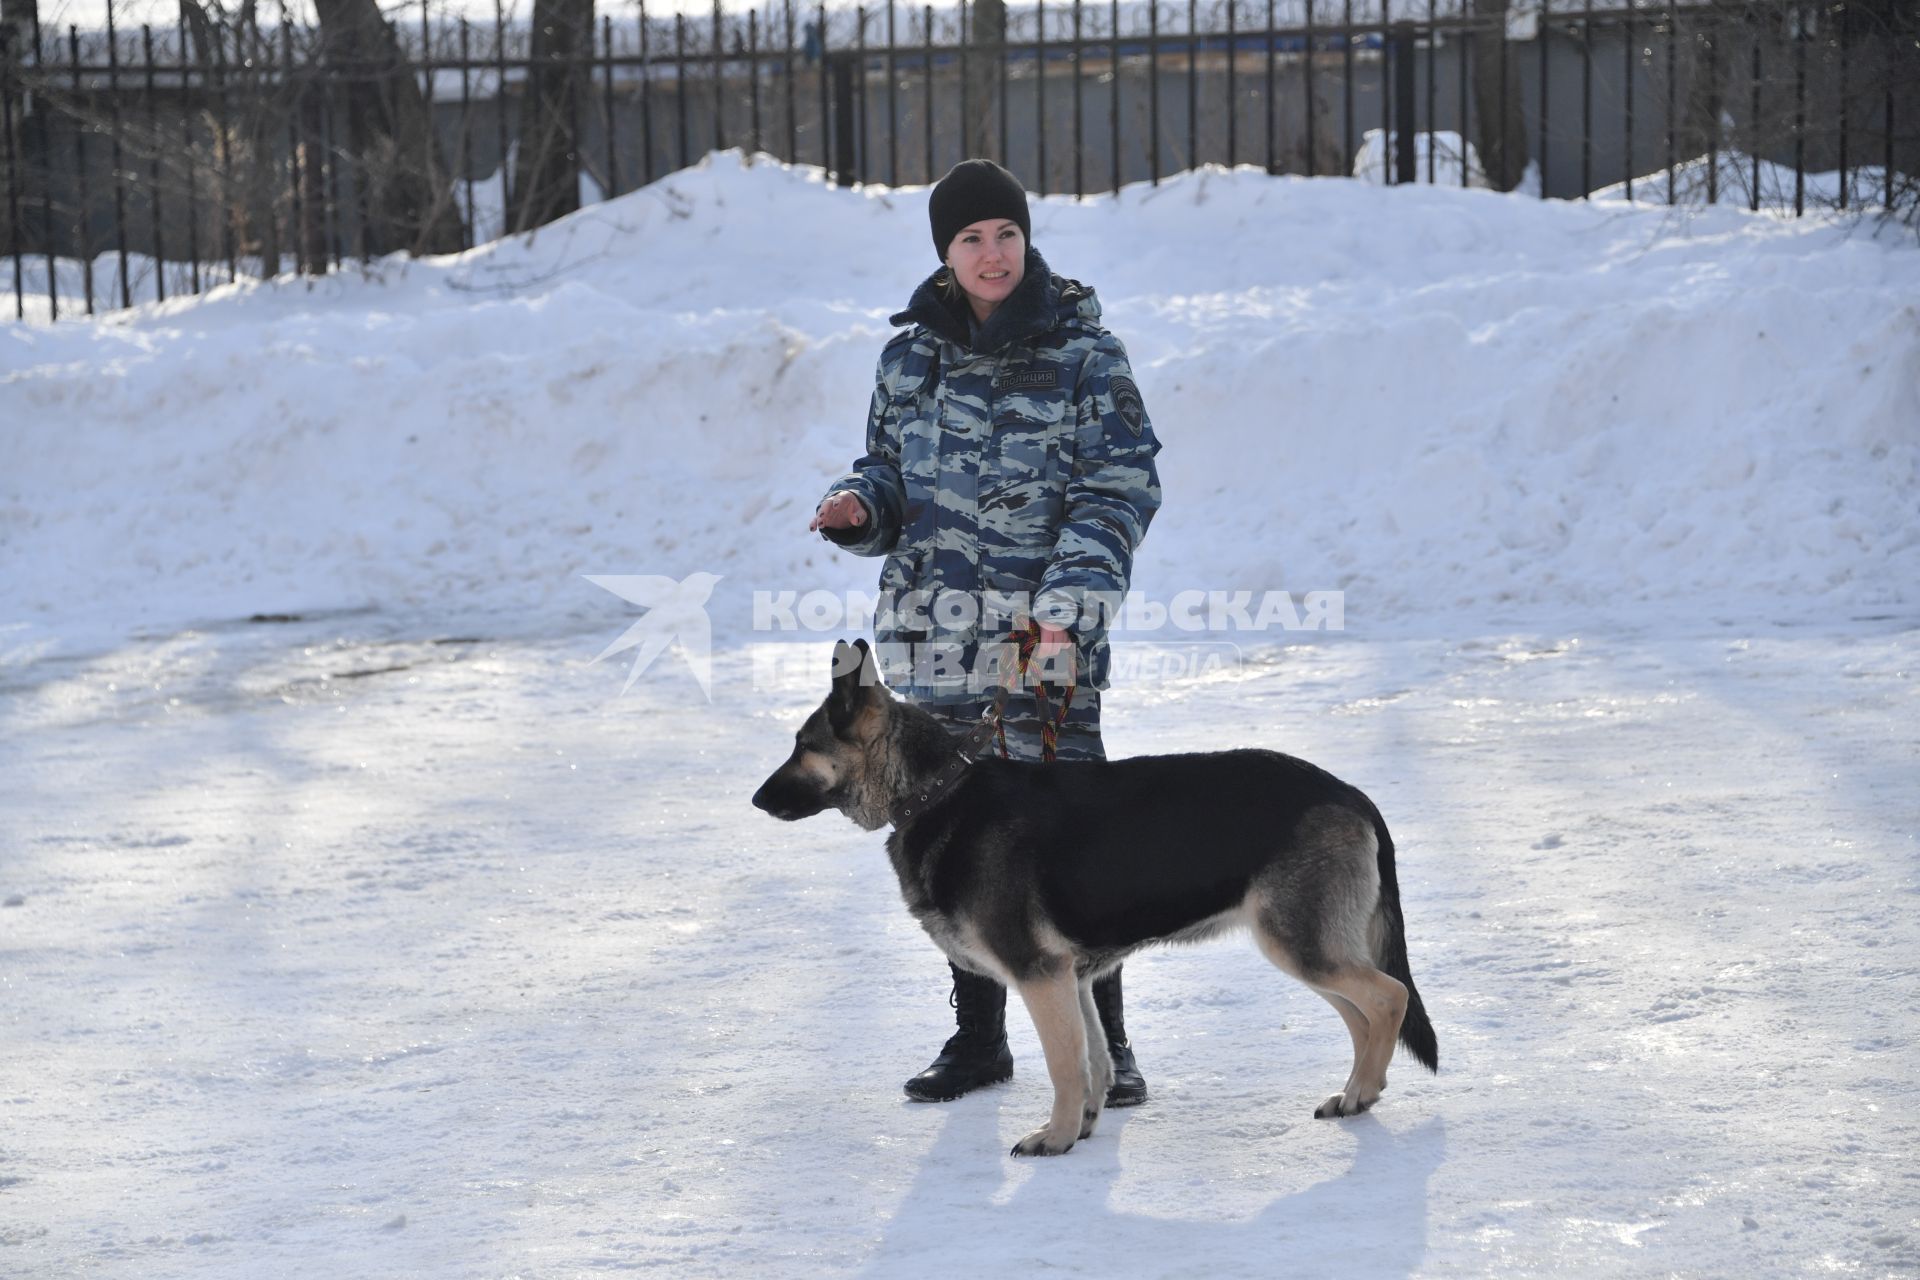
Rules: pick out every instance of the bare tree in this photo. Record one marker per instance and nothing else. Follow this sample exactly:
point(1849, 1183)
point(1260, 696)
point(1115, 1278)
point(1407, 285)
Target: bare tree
point(1500, 131)
point(983, 70)
point(407, 193)
point(546, 177)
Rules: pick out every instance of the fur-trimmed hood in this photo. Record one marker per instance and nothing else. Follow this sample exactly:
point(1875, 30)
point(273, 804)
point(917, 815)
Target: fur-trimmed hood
point(1041, 301)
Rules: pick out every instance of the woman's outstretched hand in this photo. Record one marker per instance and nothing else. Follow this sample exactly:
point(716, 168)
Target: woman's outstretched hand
point(838, 510)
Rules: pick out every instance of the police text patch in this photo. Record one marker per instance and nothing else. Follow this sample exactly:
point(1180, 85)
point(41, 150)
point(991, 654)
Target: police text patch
point(1127, 403)
point(1027, 380)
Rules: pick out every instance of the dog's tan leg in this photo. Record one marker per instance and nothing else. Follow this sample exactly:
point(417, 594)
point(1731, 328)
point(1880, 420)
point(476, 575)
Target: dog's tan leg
point(1054, 1003)
point(1380, 1002)
point(1099, 1061)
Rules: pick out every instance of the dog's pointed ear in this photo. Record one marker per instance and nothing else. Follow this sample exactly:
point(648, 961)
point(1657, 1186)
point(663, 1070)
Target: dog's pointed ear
point(856, 680)
point(849, 666)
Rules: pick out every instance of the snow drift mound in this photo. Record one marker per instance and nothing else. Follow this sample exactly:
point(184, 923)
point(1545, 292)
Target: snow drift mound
point(1438, 400)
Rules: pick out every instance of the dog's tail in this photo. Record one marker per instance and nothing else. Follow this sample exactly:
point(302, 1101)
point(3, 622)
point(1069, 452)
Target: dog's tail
point(1390, 946)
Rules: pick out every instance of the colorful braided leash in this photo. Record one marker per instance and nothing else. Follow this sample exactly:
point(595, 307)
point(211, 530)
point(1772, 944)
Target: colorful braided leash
point(1028, 638)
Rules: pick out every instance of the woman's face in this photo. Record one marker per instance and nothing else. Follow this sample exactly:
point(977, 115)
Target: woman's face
point(988, 260)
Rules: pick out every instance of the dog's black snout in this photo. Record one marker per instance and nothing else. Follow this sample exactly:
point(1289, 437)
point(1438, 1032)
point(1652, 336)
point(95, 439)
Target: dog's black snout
point(760, 800)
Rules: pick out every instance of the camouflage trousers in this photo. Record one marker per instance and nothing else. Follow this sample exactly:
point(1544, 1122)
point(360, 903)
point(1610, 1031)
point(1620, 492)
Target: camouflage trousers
point(1079, 737)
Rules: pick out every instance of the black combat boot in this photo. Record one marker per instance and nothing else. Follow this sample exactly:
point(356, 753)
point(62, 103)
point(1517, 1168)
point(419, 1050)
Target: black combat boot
point(1129, 1087)
point(977, 1054)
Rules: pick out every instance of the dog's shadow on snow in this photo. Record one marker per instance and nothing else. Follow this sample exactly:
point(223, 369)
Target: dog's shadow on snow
point(1368, 1216)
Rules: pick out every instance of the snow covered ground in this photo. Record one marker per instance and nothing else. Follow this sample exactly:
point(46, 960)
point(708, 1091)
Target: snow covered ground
point(395, 940)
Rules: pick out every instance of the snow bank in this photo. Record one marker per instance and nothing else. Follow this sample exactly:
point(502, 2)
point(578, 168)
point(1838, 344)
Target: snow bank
point(1437, 400)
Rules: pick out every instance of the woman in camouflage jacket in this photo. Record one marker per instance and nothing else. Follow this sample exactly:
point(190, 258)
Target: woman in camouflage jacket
point(1009, 474)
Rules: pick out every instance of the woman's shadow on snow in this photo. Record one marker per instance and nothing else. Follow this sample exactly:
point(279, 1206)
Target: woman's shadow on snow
point(1370, 1216)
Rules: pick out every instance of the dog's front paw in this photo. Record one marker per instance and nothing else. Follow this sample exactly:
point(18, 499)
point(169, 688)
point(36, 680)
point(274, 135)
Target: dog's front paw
point(1041, 1142)
point(1088, 1119)
point(1338, 1105)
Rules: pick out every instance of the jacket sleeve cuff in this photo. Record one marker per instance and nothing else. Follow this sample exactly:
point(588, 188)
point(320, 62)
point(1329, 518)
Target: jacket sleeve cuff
point(865, 539)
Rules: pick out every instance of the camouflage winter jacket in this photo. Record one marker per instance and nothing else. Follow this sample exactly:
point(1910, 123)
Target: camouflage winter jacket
point(1006, 469)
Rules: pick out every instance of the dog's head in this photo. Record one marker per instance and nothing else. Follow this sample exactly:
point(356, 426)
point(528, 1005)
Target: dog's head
point(832, 753)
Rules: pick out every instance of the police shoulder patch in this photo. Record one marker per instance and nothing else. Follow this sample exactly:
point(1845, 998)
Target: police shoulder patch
point(1127, 403)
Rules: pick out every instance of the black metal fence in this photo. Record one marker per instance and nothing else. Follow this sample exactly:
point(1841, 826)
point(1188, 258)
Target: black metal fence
point(142, 164)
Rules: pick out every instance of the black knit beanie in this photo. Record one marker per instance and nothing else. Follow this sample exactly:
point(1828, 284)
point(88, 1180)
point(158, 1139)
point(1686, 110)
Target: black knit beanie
point(973, 191)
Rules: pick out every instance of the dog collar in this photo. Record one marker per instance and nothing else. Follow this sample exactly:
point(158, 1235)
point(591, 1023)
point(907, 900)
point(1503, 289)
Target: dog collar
point(932, 791)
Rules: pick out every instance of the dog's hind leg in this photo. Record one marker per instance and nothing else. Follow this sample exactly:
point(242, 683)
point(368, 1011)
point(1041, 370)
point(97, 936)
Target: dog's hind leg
point(1372, 1004)
point(1099, 1061)
point(1053, 1000)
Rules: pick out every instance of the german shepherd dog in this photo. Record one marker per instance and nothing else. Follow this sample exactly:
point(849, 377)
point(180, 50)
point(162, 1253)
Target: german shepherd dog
point(1045, 876)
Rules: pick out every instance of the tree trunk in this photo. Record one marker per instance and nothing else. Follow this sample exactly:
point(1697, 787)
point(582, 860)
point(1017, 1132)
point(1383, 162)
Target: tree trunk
point(546, 173)
point(1500, 131)
point(984, 69)
point(408, 195)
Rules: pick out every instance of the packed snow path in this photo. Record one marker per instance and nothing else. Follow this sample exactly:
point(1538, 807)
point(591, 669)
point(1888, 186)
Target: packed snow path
point(330, 955)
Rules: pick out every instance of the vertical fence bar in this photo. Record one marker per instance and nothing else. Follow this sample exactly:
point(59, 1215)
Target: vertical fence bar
point(1846, 32)
point(793, 126)
point(1673, 94)
point(228, 241)
point(1079, 136)
point(1388, 143)
point(1273, 163)
point(1193, 85)
point(46, 188)
point(1310, 57)
point(13, 191)
point(254, 57)
point(606, 66)
point(426, 75)
point(1113, 96)
point(1406, 163)
point(119, 186)
point(500, 110)
point(186, 151)
point(1506, 133)
point(962, 133)
point(753, 87)
point(1886, 157)
point(330, 219)
point(1468, 39)
point(1753, 89)
point(840, 165)
point(965, 145)
point(1627, 88)
point(926, 33)
point(466, 126)
point(153, 167)
point(1346, 87)
point(1153, 90)
point(1040, 90)
point(1586, 103)
point(680, 88)
point(83, 221)
point(893, 98)
point(861, 169)
point(1233, 91)
point(719, 90)
point(296, 206)
point(1433, 89)
point(825, 114)
point(1799, 112)
point(1713, 113)
point(1001, 56)
point(646, 94)
point(1543, 49)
